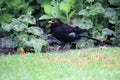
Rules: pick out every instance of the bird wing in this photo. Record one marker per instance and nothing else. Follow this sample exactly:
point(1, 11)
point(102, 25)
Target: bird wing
point(69, 31)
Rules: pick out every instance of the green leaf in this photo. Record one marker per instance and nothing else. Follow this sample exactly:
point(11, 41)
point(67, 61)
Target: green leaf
point(90, 1)
point(45, 17)
point(84, 23)
point(117, 11)
point(39, 1)
point(83, 12)
point(27, 19)
point(65, 7)
point(35, 30)
point(68, 1)
point(5, 18)
point(32, 41)
point(100, 10)
point(76, 21)
point(18, 26)
point(109, 12)
point(23, 37)
point(13, 3)
point(107, 31)
point(1, 2)
point(37, 45)
point(81, 43)
point(9, 42)
point(48, 9)
point(27, 39)
point(114, 2)
point(6, 27)
point(44, 2)
point(72, 13)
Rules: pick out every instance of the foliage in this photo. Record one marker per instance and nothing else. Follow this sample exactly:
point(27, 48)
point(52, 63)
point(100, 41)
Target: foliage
point(21, 35)
point(92, 15)
point(114, 2)
point(58, 9)
point(22, 21)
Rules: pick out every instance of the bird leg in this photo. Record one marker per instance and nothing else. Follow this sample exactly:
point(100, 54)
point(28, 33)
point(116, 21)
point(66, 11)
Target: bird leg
point(67, 46)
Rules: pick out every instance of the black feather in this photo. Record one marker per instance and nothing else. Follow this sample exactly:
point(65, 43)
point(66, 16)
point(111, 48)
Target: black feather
point(64, 32)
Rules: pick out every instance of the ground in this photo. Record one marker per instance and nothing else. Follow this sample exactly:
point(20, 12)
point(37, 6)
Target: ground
point(84, 64)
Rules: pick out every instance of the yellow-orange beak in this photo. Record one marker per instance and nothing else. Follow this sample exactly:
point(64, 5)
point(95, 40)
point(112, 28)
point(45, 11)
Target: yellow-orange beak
point(50, 22)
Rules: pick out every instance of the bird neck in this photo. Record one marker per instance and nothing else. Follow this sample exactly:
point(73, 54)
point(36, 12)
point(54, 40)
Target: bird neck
point(55, 25)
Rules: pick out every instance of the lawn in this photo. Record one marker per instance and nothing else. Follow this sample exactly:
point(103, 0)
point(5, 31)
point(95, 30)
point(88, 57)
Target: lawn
point(83, 64)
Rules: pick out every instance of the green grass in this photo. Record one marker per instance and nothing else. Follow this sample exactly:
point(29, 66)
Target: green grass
point(85, 64)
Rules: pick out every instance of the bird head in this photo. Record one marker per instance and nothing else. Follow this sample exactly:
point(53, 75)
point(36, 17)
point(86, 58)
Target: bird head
point(54, 21)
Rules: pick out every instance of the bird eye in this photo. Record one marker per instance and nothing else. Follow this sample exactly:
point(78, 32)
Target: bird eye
point(55, 21)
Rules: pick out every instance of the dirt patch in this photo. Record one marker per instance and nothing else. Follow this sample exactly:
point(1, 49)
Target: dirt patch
point(74, 60)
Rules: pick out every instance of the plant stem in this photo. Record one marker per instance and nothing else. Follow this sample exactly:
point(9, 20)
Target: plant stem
point(96, 20)
point(14, 12)
point(67, 16)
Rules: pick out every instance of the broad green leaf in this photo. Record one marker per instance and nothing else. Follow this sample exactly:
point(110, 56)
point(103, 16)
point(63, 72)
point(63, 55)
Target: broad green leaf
point(6, 27)
point(9, 42)
point(18, 26)
point(27, 39)
point(117, 11)
point(48, 9)
point(114, 2)
point(45, 17)
point(100, 10)
point(37, 44)
point(27, 19)
point(69, 1)
point(93, 10)
point(13, 3)
point(39, 1)
point(32, 41)
point(84, 12)
point(76, 21)
point(90, 1)
point(81, 43)
point(107, 31)
point(97, 4)
point(1, 2)
point(83, 23)
point(109, 12)
point(72, 13)
point(5, 18)
point(114, 20)
point(57, 11)
point(23, 37)
point(35, 30)
point(65, 7)
point(44, 2)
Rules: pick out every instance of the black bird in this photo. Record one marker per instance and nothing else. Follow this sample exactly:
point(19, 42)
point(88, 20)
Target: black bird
point(64, 32)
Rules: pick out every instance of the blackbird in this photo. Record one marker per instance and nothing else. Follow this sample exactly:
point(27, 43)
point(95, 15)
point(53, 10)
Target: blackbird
point(64, 32)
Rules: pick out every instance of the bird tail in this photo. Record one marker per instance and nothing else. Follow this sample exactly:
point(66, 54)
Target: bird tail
point(82, 35)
